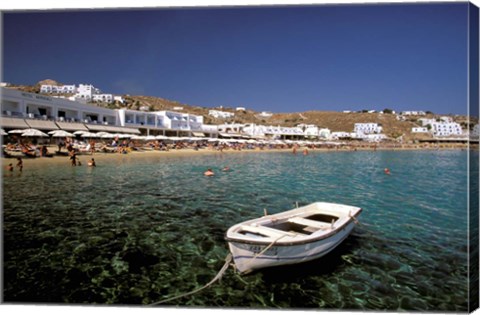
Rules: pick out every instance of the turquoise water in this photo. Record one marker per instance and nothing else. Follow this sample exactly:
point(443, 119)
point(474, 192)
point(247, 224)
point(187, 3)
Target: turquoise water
point(137, 231)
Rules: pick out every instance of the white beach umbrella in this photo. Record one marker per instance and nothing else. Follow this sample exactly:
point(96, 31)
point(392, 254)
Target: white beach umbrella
point(150, 138)
point(106, 135)
point(17, 131)
point(3, 133)
point(102, 133)
point(161, 137)
point(134, 137)
point(61, 134)
point(79, 132)
point(33, 133)
point(89, 135)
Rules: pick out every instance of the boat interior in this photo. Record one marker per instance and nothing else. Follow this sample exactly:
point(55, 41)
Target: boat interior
point(292, 226)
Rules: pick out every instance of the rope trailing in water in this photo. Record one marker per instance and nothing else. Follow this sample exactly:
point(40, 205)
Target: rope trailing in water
point(219, 275)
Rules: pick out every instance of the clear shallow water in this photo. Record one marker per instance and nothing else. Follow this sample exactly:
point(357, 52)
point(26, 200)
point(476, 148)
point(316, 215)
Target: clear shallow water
point(138, 231)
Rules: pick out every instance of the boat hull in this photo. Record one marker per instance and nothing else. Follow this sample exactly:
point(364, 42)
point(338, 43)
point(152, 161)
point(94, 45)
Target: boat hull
point(249, 256)
point(290, 237)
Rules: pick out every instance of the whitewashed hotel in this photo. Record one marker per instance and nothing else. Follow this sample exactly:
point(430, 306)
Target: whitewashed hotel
point(30, 110)
point(367, 128)
point(444, 129)
point(61, 89)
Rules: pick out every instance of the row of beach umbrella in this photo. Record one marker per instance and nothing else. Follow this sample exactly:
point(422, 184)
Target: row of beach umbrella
point(105, 135)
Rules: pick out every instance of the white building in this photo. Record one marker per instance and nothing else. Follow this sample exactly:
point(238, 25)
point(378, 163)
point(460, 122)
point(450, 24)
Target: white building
point(311, 131)
point(427, 121)
point(240, 109)
point(44, 112)
point(374, 137)
point(60, 89)
point(254, 130)
point(118, 99)
point(342, 134)
point(324, 133)
point(419, 130)
point(446, 119)
point(106, 98)
point(367, 128)
point(86, 91)
point(283, 132)
point(231, 130)
point(21, 110)
point(220, 114)
point(413, 113)
point(265, 114)
point(443, 129)
point(181, 121)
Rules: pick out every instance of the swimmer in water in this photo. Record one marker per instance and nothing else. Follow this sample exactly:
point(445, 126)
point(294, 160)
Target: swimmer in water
point(209, 172)
point(92, 162)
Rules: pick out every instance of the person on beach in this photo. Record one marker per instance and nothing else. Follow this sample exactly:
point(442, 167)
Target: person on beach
point(209, 172)
point(44, 151)
point(92, 147)
point(61, 144)
point(73, 158)
point(19, 164)
point(10, 167)
point(92, 162)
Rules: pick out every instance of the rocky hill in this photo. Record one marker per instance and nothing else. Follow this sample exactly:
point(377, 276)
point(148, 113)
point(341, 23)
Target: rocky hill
point(335, 121)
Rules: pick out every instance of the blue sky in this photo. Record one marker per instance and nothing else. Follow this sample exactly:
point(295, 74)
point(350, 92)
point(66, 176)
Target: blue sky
point(273, 58)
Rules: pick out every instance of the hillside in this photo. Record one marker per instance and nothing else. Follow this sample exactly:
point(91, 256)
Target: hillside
point(335, 121)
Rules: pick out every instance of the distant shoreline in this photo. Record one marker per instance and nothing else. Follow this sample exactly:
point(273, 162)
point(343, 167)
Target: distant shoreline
point(102, 158)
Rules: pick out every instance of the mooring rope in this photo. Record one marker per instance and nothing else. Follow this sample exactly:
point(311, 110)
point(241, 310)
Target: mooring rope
point(268, 247)
point(219, 275)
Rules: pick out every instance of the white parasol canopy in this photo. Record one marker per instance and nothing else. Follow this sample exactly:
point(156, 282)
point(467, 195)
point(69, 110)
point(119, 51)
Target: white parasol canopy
point(33, 133)
point(3, 133)
point(89, 135)
point(17, 131)
point(138, 137)
point(61, 134)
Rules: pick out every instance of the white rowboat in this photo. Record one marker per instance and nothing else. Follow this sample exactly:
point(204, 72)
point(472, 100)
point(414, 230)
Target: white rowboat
point(290, 237)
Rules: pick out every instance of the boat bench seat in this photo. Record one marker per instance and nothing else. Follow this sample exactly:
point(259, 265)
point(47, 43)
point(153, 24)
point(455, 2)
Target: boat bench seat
point(310, 223)
point(266, 231)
